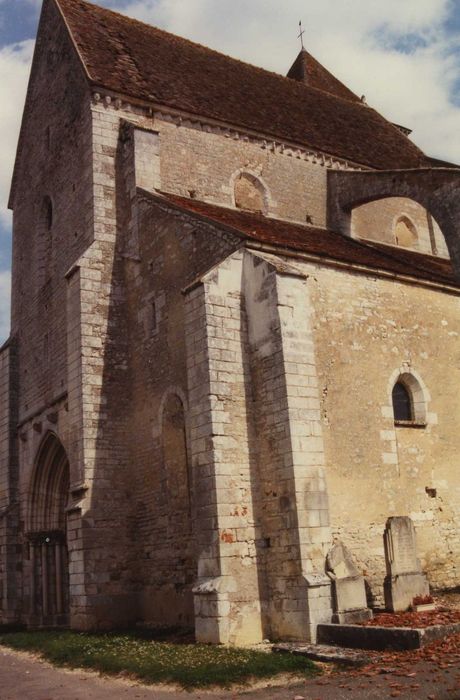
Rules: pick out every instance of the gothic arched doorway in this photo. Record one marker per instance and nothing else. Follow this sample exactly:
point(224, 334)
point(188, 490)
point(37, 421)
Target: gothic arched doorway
point(47, 533)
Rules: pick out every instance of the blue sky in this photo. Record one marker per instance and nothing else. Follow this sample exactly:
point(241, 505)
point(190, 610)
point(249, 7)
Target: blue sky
point(404, 55)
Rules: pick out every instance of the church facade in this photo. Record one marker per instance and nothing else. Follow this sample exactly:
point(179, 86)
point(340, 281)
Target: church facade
point(234, 340)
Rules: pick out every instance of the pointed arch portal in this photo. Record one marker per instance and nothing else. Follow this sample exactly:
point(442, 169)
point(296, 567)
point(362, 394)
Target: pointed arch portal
point(47, 534)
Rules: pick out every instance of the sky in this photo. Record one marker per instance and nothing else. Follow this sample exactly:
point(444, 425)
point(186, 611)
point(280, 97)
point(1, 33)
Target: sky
point(403, 55)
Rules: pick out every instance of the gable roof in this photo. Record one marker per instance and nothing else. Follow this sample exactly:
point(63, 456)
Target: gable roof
point(146, 63)
point(317, 242)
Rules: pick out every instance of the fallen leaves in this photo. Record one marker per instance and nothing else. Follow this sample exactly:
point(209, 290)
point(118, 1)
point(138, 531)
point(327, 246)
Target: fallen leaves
point(438, 658)
point(420, 620)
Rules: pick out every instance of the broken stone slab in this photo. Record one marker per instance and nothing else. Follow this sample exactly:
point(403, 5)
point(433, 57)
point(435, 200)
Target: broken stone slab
point(324, 653)
point(348, 588)
point(340, 561)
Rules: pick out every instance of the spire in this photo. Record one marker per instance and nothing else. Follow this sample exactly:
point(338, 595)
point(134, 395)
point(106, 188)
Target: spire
point(299, 69)
point(307, 70)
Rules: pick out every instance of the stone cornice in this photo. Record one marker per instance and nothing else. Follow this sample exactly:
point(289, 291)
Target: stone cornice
point(266, 143)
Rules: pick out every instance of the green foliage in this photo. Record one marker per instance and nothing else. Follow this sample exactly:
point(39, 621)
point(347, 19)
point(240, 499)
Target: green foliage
point(189, 665)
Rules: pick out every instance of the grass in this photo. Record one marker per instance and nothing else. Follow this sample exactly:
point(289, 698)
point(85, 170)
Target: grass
point(134, 655)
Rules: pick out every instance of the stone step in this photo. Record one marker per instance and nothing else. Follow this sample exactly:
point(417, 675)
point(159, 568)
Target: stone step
point(382, 638)
point(324, 653)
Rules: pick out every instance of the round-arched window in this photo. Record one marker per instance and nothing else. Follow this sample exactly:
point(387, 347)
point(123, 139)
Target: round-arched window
point(405, 233)
point(249, 193)
point(409, 399)
point(402, 403)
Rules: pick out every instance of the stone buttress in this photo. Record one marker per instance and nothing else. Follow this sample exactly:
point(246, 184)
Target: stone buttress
point(262, 510)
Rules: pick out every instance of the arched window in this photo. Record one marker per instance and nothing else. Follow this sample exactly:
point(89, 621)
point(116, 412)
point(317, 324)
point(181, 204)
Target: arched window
point(402, 403)
point(249, 193)
point(409, 400)
point(174, 439)
point(405, 233)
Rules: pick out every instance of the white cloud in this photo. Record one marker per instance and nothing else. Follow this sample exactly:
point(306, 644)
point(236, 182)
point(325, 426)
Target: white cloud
point(14, 72)
point(5, 284)
point(351, 38)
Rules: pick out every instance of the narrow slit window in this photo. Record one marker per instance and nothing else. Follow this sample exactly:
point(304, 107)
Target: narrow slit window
point(48, 213)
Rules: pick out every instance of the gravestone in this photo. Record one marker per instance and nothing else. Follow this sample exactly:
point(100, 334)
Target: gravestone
point(348, 589)
point(405, 579)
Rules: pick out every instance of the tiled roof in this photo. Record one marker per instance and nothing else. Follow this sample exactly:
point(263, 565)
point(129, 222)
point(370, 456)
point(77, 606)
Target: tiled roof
point(320, 242)
point(306, 69)
point(140, 61)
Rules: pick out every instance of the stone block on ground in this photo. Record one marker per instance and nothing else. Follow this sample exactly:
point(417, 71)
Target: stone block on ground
point(405, 579)
point(401, 590)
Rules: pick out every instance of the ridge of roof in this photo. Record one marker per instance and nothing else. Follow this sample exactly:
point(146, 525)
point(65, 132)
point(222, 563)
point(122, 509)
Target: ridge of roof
point(318, 242)
point(144, 62)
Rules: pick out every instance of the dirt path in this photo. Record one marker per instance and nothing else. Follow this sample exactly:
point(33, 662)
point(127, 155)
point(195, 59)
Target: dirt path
point(23, 677)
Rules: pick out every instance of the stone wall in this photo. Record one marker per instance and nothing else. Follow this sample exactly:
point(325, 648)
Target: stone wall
point(205, 163)
point(172, 253)
point(368, 331)
point(10, 568)
point(54, 164)
point(52, 222)
point(376, 221)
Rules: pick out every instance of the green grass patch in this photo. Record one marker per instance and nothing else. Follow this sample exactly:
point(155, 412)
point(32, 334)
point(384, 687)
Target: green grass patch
point(151, 661)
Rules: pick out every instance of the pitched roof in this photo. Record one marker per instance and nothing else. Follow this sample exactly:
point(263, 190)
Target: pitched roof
point(306, 69)
point(140, 61)
point(318, 242)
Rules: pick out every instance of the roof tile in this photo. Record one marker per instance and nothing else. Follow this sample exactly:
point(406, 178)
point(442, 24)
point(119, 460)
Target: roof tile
point(321, 243)
point(137, 60)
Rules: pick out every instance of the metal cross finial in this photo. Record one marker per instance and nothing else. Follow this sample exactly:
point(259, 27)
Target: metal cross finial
point(302, 32)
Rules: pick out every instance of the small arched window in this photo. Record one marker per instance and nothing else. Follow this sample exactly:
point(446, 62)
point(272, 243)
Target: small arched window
point(249, 193)
point(174, 438)
point(405, 233)
point(402, 403)
point(409, 400)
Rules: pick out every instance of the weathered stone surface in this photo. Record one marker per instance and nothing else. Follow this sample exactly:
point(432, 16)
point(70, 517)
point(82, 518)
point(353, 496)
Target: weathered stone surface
point(401, 589)
point(436, 189)
point(324, 653)
point(381, 638)
point(339, 562)
point(349, 593)
point(404, 580)
point(401, 546)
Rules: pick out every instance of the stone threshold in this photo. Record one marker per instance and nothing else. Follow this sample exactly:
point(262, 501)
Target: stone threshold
point(383, 638)
point(324, 653)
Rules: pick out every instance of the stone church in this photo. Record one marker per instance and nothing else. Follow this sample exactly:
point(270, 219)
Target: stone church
point(234, 340)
